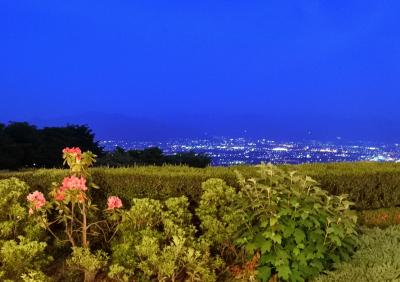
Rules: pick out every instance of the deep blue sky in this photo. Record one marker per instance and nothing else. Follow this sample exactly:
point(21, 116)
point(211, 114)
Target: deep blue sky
point(329, 67)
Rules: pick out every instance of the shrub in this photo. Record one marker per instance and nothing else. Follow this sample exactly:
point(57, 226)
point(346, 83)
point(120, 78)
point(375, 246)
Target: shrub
point(24, 257)
point(19, 255)
point(157, 241)
point(377, 259)
point(84, 260)
point(34, 276)
point(286, 223)
point(219, 216)
point(13, 216)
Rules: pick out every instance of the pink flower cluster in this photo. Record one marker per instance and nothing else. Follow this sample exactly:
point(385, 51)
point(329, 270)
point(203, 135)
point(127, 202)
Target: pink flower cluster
point(75, 151)
point(114, 202)
point(37, 200)
point(72, 183)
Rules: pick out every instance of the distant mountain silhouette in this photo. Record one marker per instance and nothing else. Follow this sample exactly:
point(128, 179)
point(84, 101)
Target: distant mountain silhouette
point(285, 127)
point(121, 127)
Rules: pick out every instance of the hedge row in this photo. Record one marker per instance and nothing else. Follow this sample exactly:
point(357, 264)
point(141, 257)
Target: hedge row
point(370, 185)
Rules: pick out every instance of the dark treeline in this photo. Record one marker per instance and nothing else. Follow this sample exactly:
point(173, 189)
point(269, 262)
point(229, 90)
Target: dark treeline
point(152, 156)
point(23, 145)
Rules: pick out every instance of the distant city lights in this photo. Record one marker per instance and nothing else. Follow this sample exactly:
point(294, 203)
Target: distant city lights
point(235, 151)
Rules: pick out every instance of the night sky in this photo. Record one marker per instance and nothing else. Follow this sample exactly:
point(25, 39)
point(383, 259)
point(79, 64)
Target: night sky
point(152, 69)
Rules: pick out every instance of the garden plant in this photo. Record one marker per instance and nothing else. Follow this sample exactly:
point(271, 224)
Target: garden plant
point(275, 225)
point(71, 206)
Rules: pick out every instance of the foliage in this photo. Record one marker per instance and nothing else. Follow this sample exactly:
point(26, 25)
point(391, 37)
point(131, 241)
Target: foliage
point(34, 276)
point(369, 185)
point(72, 207)
point(297, 228)
point(135, 182)
point(23, 145)
point(22, 257)
point(219, 216)
point(84, 259)
point(152, 156)
point(13, 215)
point(157, 241)
point(19, 255)
point(377, 259)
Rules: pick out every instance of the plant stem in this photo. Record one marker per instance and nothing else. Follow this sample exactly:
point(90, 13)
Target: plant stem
point(85, 243)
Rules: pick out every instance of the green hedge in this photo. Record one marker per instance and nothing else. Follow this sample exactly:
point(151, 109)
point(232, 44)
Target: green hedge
point(135, 182)
point(370, 185)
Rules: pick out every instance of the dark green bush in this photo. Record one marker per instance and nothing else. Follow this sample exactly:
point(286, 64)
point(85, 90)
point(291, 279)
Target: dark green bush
point(284, 222)
point(369, 185)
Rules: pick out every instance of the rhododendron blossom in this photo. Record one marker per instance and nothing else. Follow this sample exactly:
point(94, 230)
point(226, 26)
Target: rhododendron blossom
point(74, 151)
point(114, 202)
point(37, 199)
point(72, 183)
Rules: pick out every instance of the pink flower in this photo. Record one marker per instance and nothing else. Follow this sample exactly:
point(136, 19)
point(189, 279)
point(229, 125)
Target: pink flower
point(74, 183)
point(114, 202)
point(37, 199)
point(75, 151)
point(60, 196)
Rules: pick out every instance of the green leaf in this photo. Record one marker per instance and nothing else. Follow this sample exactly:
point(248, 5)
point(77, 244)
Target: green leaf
point(250, 247)
point(266, 246)
point(277, 238)
point(299, 236)
point(283, 271)
point(273, 221)
point(264, 273)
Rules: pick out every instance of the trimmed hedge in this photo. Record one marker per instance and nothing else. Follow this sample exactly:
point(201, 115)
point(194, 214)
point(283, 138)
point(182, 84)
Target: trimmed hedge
point(154, 182)
point(370, 185)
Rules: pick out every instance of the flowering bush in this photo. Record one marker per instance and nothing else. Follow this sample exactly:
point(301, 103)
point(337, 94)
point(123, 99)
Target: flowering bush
point(70, 201)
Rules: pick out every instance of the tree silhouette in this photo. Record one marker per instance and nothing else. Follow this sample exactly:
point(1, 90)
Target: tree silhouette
point(24, 146)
